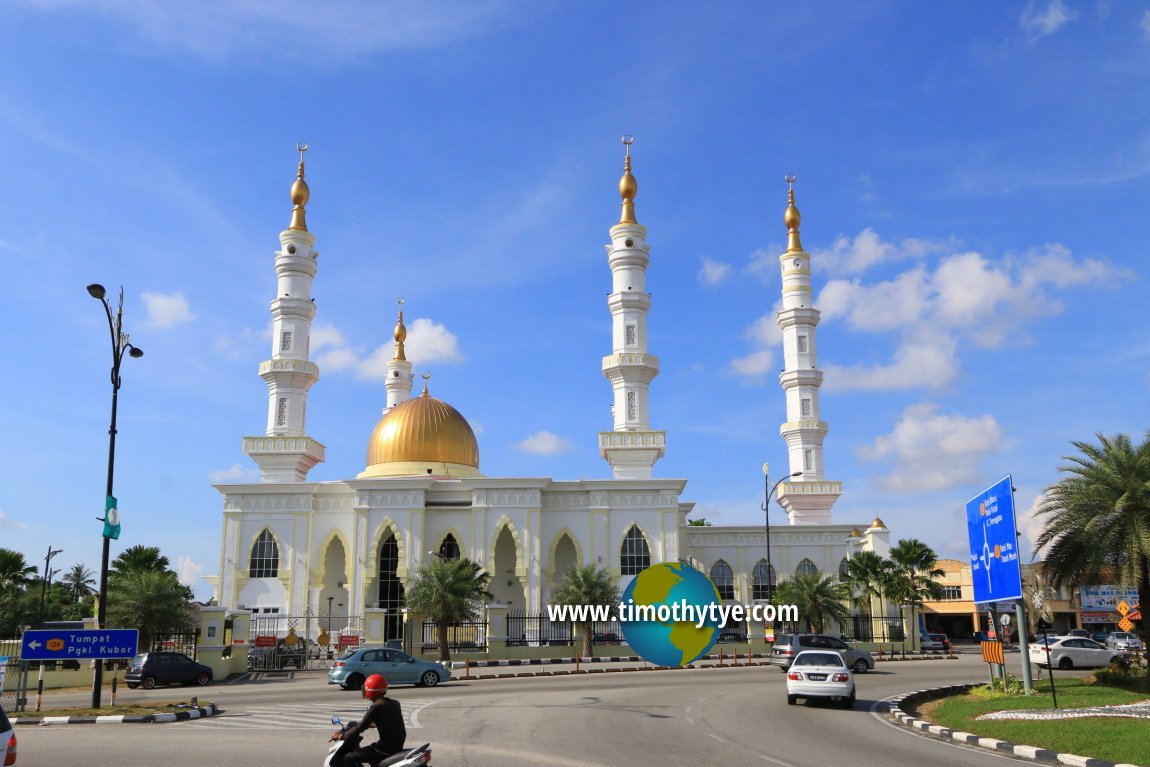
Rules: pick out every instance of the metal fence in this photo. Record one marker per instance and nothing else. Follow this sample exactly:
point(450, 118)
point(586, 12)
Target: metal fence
point(469, 636)
point(534, 629)
point(178, 641)
point(279, 642)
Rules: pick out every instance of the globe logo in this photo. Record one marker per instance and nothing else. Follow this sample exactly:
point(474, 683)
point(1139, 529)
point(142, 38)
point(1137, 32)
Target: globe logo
point(661, 611)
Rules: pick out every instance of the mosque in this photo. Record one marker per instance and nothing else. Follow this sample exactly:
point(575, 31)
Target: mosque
point(292, 547)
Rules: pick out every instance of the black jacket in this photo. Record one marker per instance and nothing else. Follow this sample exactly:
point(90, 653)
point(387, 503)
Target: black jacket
point(387, 716)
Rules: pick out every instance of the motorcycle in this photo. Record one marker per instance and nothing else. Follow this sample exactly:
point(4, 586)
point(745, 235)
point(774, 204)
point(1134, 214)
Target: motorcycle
point(416, 757)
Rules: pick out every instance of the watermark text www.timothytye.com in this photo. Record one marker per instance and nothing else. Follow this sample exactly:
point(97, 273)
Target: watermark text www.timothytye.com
point(677, 612)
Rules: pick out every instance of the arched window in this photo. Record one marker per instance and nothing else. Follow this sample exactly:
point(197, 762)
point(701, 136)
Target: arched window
point(265, 559)
point(390, 588)
point(449, 549)
point(724, 580)
point(634, 556)
point(843, 569)
point(806, 567)
point(762, 580)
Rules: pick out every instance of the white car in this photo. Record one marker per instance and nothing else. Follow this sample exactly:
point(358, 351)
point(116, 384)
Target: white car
point(820, 674)
point(1123, 640)
point(1071, 652)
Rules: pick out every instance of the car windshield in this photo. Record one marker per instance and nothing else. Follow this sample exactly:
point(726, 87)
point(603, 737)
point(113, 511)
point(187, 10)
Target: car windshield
point(1123, 635)
point(819, 659)
point(139, 659)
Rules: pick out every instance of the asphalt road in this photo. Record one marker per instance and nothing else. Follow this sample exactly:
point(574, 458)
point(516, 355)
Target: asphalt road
point(732, 716)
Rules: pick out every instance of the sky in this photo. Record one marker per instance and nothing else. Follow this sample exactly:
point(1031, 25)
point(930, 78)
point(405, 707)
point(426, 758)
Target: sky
point(973, 182)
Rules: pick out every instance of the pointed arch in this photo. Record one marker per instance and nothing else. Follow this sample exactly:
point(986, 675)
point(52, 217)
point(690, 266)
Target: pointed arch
point(844, 569)
point(520, 551)
point(390, 526)
point(634, 551)
point(806, 567)
point(566, 531)
point(724, 579)
point(762, 580)
point(264, 556)
point(449, 544)
point(320, 573)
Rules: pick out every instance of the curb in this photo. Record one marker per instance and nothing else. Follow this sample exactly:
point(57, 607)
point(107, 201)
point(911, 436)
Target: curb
point(178, 716)
point(1032, 753)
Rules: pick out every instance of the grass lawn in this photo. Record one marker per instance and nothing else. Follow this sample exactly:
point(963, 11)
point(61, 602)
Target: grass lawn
point(137, 710)
point(1113, 738)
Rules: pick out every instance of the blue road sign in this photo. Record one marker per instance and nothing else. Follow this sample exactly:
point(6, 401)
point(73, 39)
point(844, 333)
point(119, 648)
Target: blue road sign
point(78, 644)
point(990, 524)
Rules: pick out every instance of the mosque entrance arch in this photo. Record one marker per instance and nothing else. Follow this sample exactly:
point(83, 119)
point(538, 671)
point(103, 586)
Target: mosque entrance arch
point(506, 585)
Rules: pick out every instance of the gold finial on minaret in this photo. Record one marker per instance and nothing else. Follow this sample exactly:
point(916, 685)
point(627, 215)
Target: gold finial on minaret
point(400, 333)
point(299, 194)
point(791, 218)
point(628, 186)
point(426, 377)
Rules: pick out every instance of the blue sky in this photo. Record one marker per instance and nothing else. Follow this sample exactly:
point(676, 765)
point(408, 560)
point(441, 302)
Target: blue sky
point(973, 183)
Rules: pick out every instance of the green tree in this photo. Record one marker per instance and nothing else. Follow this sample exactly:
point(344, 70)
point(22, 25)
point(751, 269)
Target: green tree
point(912, 568)
point(140, 559)
point(865, 577)
point(80, 581)
point(819, 599)
point(152, 601)
point(587, 585)
point(700, 522)
point(15, 572)
point(1097, 518)
point(448, 591)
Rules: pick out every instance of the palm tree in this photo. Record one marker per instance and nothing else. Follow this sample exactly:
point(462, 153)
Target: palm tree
point(140, 559)
point(151, 601)
point(587, 585)
point(80, 581)
point(864, 580)
point(819, 599)
point(910, 578)
point(1098, 518)
point(448, 591)
point(14, 570)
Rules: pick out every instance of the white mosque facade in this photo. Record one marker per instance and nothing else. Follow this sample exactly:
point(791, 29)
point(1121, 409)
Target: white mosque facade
point(294, 547)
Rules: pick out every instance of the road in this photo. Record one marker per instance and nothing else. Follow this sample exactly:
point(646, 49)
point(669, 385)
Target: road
point(734, 716)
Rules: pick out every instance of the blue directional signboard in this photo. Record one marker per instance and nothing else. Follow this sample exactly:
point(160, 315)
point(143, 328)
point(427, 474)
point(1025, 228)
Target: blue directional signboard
point(78, 644)
point(992, 531)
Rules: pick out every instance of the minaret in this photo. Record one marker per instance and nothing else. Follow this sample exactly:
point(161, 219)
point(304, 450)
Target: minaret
point(632, 448)
point(808, 499)
point(285, 453)
point(398, 368)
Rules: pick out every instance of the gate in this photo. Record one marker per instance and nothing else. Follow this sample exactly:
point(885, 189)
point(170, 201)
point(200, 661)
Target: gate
point(177, 641)
point(278, 642)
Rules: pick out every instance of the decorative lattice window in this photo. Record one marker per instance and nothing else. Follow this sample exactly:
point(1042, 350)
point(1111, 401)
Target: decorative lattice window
point(724, 580)
point(285, 341)
point(634, 555)
point(632, 406)
point(805, 406)
point(265, 558)
point(808, 460)
point(281, 412)
point(802, 344)
point(630, 335)
point(449, 549)
point(806, 567)
point(762, 580)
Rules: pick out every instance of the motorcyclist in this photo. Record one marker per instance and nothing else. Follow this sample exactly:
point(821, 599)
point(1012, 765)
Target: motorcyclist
point(386, 716)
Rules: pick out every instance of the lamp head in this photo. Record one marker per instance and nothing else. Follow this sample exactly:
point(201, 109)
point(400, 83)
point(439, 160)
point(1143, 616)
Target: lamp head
point(96, 290)
point(136, 352)
point(797, 474)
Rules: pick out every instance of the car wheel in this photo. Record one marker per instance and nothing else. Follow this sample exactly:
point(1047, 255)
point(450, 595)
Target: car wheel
point(1065, 663)
point(849, 702)
point(133, 685)
point(149, 682)
point(429, 679)
point(203, 678)
point(353, 682)
point(860, 666)
point(791, 699)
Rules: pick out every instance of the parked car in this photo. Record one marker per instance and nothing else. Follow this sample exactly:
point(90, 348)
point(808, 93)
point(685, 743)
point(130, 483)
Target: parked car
point(1084, 633)
point(931, 643)
point(820, 674)
point(1123, 640)
point(7, 739)
point(1071, 652)
point(942, 638)
point(397, 667)
point(151, 668)
point(787, 646)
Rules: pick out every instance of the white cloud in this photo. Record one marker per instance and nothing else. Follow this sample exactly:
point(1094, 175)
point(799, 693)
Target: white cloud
point(765, 330)
point(931, 451)
point(244, 344)
point(764, 263)
point(11, 524)
point(924, 361)
point(866, 249)
point(1031, 525)
point(324, 335)
point(1145, 24)
point(543, 443)
point(713, 272)
point(754, 367)
point(1039, 21)
point(235, 473)
point(889, 305)
point(167, 309)
point(189, 572)
point(427, 342)
point(338, 29)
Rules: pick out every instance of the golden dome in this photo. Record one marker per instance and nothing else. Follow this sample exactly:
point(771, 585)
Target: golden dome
point(877, 524)
point(299, 194)
point(422, 435)
point(792, 217)
point(856, 533)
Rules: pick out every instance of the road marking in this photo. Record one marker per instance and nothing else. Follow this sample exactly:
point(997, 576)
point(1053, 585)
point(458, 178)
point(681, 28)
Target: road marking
point(772, 760)
point(716, 737)
point(300, 717)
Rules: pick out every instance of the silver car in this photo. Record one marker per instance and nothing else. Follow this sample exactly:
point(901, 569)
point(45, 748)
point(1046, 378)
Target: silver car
point(1123, 640)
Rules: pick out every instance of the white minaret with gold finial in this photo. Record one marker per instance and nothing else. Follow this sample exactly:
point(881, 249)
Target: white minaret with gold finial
point(399, 375)
point(285, 453)
point(632, 448)
point(809, 498)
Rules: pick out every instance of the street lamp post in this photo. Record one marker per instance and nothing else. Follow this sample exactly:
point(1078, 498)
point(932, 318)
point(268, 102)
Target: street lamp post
point(769, 491)
point(120, 344)
point(47, 579)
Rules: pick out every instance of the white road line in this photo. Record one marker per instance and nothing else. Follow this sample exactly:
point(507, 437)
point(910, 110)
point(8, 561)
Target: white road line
point(716, 737)
point(417, 709)
point(772, 760)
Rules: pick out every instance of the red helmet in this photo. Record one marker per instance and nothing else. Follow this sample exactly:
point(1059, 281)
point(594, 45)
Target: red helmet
point(375, 686)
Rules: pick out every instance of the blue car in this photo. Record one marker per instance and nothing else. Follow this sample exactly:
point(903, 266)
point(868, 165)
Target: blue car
point(397, 667)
